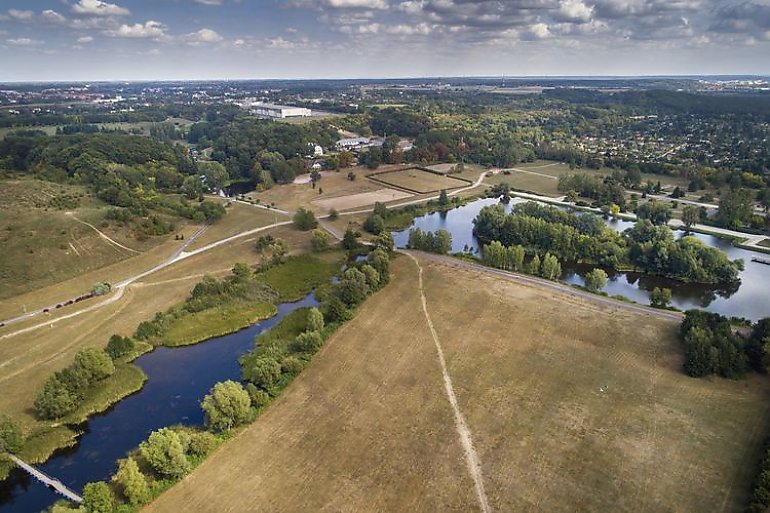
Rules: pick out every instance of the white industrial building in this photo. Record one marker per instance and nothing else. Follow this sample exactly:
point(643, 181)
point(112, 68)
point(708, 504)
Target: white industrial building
point(268, 110)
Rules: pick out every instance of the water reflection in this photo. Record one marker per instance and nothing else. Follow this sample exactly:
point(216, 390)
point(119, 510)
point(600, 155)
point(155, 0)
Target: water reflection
point(747, 298)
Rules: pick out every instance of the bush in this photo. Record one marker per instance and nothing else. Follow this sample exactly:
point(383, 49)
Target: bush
point(304, 219)
point(320, 240)
point(292, 365)
point(264, 372)
point(200, 444)
point(11, 438)
point(258, 397)
point(95, 364)
point(119, 346)
point(97, 498)
point(309, 341)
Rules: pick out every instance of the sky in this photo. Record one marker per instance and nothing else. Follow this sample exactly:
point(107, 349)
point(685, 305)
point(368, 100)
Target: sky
point(43, 40)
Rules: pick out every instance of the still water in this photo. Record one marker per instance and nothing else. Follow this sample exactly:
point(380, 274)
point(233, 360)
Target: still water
point(750, 298)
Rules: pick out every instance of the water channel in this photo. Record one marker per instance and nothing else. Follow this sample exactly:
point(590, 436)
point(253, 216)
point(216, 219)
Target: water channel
point(178, 379)
point(750, 298)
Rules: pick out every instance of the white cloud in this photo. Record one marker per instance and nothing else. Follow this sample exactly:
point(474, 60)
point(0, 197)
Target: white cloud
point(575, 11)
point(19, 15)
point(539, 31)
point(343, 4)
point(203, 36)
point(85, 39)
point(410, 30)
point(208, 2)
point(99, 8)
point(54, 17)
point(148, 30)
point(23, 41)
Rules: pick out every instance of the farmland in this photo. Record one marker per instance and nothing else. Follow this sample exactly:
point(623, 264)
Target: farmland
point(586, 411)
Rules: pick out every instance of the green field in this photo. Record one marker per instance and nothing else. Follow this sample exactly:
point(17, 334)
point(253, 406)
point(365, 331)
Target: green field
point(418, 181)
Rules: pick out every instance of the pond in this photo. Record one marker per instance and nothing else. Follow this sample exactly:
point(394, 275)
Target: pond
point(748, 299)
point(178, 379)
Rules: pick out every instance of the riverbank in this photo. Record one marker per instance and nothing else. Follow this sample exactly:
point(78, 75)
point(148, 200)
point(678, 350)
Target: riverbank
point(293, 279)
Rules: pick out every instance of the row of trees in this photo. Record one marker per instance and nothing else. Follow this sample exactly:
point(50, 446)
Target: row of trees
point(584, 238)
point(512, 259)
point(439, 241)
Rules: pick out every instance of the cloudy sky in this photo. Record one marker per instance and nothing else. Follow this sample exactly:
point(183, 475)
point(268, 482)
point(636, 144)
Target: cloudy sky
point(211, 39)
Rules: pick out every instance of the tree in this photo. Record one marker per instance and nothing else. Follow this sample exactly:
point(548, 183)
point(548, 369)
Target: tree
point(119, 346)
point(351, 176)
point(165, 452)
point(97, 498)
point(374, 224)
point(660, 297)
point(384, 241)
point(690, 216)
point(11, 438)
point(95, 363)
point(264, 372)
point(656, 211)
point(55, 400)
point(131, 482)
point(226, 406)
point(315, 320)
point(534, 266)
point(550, 269)
point(614, 211)
point(304, 219)
point(320, 240)
point(215, 174)
point(595, 280)
point(350, 239)
point(443, 198)
point(279, 250)
point(735, 209)
point(345, 159)
point(352, 288)
point(333, 214)
point(192, 187)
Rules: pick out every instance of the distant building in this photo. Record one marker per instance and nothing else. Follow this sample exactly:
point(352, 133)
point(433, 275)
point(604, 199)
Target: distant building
point(353, 143)
point(318, 151)
point(270, 111)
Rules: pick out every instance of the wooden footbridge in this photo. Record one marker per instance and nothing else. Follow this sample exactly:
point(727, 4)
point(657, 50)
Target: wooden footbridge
point(50, 482)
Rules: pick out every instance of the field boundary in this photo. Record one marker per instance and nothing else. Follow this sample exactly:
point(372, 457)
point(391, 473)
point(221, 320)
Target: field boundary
point(375, 178)
point(471, 457)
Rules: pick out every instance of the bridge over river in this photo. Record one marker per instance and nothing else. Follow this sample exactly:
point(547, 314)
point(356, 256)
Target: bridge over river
point(55, 484)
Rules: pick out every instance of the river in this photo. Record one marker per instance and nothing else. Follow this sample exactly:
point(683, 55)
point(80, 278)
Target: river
point(177, 381)
point(745, 299)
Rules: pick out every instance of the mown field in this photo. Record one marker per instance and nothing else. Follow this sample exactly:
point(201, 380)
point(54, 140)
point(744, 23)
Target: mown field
point(418, 181)
point(571, 406)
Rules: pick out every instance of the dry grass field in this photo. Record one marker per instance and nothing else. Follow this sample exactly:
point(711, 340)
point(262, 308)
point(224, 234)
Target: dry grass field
point(571, 407)
point(418, 181)
point(45, 241)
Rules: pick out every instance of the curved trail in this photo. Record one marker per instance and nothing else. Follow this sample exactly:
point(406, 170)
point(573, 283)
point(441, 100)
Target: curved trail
point(471, 457)
point(104, 235)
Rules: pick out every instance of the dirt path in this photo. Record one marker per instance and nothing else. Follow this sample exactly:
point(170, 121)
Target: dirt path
point(471, 457)
point(102, 234)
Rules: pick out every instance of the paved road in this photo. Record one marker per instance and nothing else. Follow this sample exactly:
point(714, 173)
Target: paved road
point(552, 285)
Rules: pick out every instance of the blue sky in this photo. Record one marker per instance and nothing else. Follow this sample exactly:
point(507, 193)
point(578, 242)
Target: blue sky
point(213, 39)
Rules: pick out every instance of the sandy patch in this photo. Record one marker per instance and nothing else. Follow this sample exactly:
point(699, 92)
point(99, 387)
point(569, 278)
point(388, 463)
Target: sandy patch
point(361, 199)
